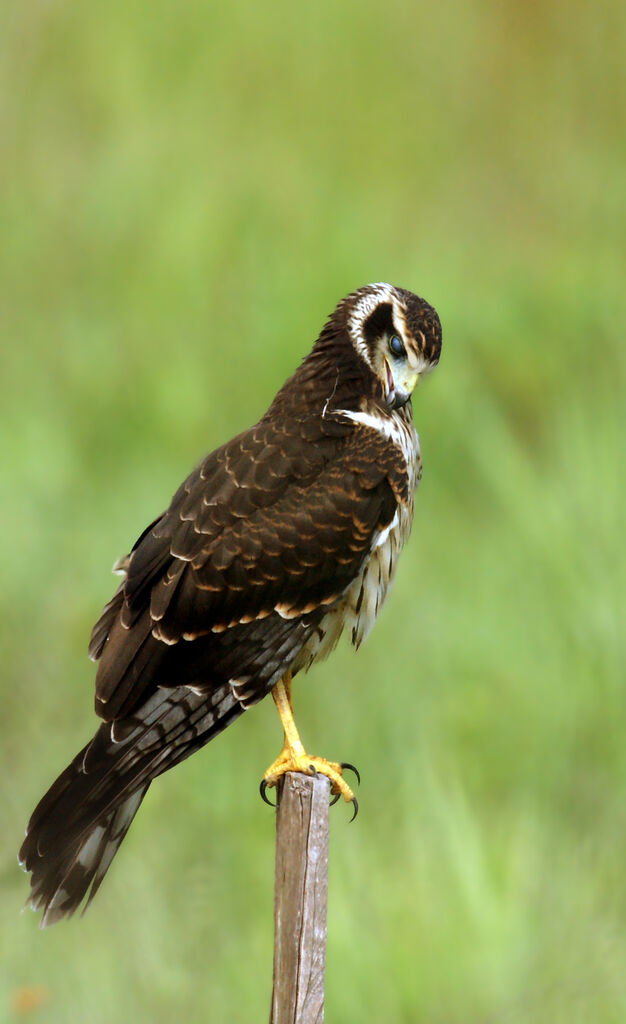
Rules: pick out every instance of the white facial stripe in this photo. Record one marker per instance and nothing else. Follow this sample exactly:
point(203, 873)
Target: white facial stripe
point(400, 323)
point(376, 294)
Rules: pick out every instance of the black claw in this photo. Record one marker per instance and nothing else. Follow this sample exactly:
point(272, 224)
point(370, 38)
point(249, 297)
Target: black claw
point(262, 791)
point(356, 808)
point(350, 767)
point(313, 769)
point(334, 800)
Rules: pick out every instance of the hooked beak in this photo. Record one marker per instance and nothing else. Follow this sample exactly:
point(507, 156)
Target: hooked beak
point(401, 399)
point(398, 394)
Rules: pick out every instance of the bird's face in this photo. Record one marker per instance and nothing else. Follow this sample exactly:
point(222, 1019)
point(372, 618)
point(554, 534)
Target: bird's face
point(399, 337)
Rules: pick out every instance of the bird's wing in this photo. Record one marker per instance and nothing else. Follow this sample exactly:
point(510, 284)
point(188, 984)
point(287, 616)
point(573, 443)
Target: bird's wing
point(257, 544)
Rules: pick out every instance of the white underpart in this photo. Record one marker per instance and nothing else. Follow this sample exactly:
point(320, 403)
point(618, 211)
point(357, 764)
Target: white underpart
point(381, 538)
point(364, 598)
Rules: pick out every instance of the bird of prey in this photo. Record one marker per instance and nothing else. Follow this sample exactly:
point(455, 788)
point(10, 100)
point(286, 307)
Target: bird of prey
point(276, 543)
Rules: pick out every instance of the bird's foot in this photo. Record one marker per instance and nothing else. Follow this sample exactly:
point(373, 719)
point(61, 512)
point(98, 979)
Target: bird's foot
point(292, 760)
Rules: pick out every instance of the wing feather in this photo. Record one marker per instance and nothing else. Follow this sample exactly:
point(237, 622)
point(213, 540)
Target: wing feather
point(228, 584)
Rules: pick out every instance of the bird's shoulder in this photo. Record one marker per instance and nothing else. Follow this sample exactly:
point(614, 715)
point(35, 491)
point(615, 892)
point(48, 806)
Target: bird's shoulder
point(271, 528)
point(281, 470)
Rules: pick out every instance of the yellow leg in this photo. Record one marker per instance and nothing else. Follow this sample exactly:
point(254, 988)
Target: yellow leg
point(294, 758)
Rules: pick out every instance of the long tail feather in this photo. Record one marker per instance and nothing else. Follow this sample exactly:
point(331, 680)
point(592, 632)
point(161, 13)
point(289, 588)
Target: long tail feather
point(59, 884)
point(77, 827)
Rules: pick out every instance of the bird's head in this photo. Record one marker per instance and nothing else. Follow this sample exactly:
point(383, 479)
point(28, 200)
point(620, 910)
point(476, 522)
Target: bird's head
point(375, 346)
point(397, 335)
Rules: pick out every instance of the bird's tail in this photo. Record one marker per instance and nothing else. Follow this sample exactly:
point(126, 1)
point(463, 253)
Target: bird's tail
point(77, 827)
point(63, 873)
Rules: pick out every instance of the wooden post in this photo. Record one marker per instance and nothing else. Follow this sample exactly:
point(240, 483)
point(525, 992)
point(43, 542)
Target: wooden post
point(301, 886)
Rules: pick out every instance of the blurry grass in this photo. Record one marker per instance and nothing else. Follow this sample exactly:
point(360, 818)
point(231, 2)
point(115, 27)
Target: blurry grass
point(185, 193)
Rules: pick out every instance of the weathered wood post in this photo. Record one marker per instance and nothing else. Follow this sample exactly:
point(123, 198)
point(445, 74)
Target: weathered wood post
point(301, 887)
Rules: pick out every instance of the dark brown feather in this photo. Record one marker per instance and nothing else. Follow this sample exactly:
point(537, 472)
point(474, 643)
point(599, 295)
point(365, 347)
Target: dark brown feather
point(223, 592)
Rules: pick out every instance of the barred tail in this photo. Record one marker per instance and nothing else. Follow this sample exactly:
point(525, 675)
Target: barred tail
point(62, 877)
point(76, 829)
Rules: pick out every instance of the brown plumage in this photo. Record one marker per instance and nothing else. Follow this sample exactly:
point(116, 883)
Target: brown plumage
point(278, 541)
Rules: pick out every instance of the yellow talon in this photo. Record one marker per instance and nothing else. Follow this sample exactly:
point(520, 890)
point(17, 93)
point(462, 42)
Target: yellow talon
point(294, 758)
point(291, 761)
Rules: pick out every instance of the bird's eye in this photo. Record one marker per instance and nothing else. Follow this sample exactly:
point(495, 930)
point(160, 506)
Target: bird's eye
point(395, 346)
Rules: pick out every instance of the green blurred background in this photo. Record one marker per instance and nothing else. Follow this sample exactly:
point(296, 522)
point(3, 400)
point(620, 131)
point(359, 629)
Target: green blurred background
point(186, 191)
